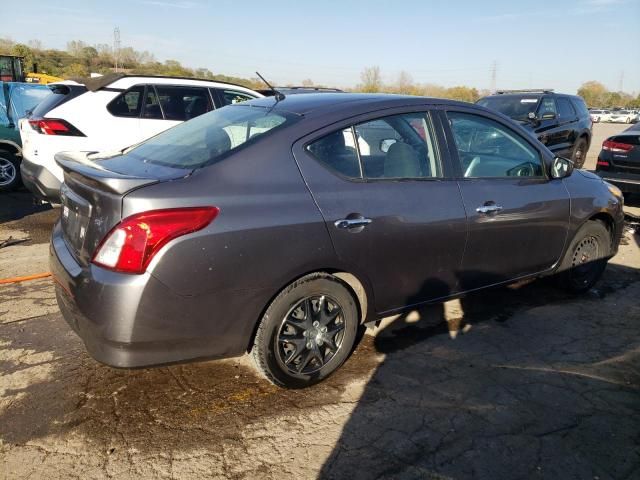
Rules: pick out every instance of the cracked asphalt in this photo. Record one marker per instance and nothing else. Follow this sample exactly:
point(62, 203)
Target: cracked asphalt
point(540, 385)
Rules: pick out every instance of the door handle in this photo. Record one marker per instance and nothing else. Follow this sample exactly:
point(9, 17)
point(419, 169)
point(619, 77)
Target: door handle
point(352, 222)
point(486, 209)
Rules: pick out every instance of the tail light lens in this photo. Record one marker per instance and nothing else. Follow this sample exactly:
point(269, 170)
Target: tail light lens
point(602, 163)
point(612, 146)
point(55, 126)
point(131, 245)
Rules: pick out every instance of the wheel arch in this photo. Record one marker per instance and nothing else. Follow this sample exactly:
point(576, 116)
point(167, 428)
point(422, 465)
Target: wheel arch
point(12, 147)
point(359, 289)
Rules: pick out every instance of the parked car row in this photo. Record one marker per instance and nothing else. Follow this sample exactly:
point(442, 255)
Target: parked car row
point(615, 116)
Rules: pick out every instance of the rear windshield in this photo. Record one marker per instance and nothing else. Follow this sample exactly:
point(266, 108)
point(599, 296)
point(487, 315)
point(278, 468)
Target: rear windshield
point(60, 94)
point(208, 138)
point(515, 107)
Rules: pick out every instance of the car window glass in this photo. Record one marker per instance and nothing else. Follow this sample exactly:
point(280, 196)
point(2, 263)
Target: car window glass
point(398, 146)
point(127, 104)
point(229, 97)
point(151, 104)
point(183, 103)
point(547, 108)
point(486, 148)
point(565, 110)
point(337, 151)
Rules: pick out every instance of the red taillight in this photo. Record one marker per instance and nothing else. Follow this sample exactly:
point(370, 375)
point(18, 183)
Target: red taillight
point(130, 245)
point(616, 146)
point(55, 126)
point(602, 163)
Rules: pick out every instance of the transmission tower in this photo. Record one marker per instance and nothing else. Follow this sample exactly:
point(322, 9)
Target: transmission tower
point(621, 82)
point(116, 47)
point(494, 69)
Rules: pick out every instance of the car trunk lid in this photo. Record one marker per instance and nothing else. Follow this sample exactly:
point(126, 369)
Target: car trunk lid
point(92, 194)
point(624, 153)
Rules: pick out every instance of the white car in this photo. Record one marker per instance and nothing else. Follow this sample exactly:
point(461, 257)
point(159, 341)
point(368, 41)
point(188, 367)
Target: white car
point(622, 116)
point(110, 113)
point(600, 115)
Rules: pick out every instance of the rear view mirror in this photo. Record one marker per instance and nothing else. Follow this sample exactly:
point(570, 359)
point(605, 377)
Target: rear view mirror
point(385, 144)
point(561, 167)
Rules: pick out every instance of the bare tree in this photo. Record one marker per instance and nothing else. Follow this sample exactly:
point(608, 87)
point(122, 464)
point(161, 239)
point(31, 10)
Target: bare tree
point(371, 80)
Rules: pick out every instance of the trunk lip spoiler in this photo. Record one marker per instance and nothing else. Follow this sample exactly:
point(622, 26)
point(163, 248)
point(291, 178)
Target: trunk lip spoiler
point(77, 164)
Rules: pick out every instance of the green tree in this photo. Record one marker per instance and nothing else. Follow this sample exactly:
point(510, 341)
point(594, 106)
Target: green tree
point(21, 50)
point(593, 93)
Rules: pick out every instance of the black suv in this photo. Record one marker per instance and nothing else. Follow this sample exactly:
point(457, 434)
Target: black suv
point(560, 121)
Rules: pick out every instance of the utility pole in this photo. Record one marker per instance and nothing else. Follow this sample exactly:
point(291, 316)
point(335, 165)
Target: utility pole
point(494, 69)
point(621, 82)
point(116, 47)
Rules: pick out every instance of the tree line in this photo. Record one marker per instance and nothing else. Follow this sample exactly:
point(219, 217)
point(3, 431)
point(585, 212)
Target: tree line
point(79, 59)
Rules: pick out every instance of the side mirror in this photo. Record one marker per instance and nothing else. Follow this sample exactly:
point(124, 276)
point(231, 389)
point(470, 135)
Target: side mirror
point(533, 118)
point(561, 167)
point(385, 144)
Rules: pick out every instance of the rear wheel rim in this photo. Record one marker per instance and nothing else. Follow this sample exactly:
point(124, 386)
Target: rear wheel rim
point(585, 262)
point(311, 334)
point(7, 172)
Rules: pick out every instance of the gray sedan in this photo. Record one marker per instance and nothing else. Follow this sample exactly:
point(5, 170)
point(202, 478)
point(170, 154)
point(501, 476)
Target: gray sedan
point(281, 226)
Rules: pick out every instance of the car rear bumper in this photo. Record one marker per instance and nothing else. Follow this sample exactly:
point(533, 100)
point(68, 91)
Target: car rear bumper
point(130, 321)
point(40, 181)
point(627, 182)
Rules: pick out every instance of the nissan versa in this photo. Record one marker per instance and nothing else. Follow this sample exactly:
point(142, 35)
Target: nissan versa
point(280, 226)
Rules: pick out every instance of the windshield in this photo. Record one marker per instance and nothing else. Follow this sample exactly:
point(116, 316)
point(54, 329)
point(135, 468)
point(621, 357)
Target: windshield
point(515, 107)
point(208, 138)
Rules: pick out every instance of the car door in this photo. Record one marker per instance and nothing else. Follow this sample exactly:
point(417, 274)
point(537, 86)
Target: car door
point(567, 126)
point(518, 217)
point(383, 186)
point(122, 122)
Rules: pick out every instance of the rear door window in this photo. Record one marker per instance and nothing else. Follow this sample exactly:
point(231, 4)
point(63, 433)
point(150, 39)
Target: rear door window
point(128, 103)
point(547, 108)
point(565, 110)
point(398, 146)
point(183, 103)
point(230, 97)
point(151, 104)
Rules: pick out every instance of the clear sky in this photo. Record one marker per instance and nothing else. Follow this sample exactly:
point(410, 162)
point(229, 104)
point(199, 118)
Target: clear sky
point(545, 43)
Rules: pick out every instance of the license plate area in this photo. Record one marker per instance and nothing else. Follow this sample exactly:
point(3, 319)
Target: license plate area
point(75, 215)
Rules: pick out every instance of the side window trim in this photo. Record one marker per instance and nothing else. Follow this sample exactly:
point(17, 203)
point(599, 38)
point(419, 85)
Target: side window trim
point(455, 156)
point(354, 135)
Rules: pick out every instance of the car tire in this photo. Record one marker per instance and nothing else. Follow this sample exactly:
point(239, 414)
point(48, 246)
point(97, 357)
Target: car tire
point(586, 258)
point(579, 152)
point(9, 171)
point(321, 337)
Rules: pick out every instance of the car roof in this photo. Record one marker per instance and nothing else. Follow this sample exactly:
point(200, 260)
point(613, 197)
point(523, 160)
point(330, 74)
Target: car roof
point(121, 80)
point(311, 103)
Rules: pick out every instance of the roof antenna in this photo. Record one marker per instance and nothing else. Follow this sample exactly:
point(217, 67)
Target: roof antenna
point(278, 95)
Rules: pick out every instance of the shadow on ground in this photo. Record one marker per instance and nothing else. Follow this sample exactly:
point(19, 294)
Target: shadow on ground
point(543, 385)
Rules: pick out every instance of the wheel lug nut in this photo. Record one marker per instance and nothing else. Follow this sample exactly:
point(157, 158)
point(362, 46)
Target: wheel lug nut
point(309, 345)
point(316, 324)
point(305, 333)
point(324, 329)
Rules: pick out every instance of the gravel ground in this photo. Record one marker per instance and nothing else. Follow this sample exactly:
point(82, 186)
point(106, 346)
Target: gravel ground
point(541, 385)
